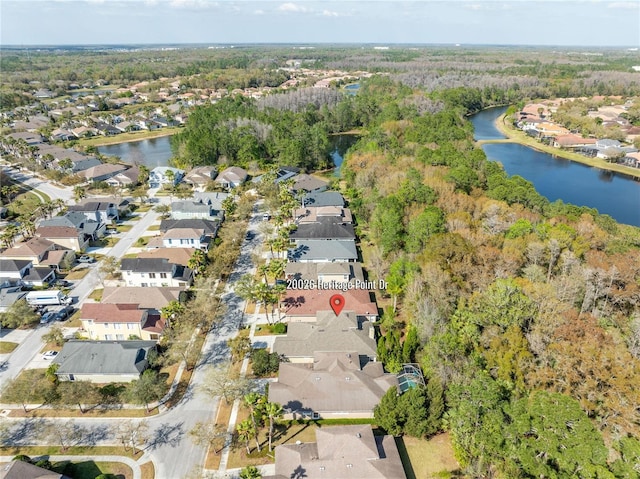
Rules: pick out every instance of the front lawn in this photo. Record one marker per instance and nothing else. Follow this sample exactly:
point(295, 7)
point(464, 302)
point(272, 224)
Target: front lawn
point(77, 274)
point(7, 347)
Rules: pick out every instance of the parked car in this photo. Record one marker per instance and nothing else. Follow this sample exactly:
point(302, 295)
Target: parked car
point(63, 283)
point(86, 259)
point(63, 313)
point(50, 355)
point(46, 317)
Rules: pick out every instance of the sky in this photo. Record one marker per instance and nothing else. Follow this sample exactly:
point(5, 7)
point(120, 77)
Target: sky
point(384, 22)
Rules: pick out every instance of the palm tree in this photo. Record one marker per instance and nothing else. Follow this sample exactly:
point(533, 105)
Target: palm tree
point(254, 401)
point(263, 269)
point(198, 261)
point(277, 268)
point(273, 411)
point(8, 237)
point(79, 192)
point(245, 432)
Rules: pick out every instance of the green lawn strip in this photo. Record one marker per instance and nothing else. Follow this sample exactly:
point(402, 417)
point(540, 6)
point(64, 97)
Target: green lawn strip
point(89, 469)
point(26, 203)
point(147, 470)
point(153, 228)
point(7, 346)
point(96, 294)
point(90, 413)
point(32, 451)
point(518, 136)
point(77, 274)
point(124, 228)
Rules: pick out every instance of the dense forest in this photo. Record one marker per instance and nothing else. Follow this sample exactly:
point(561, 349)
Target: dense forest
point(525, 311)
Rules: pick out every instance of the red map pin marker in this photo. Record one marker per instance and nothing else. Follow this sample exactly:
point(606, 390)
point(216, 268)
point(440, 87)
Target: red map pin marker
point(337, 303)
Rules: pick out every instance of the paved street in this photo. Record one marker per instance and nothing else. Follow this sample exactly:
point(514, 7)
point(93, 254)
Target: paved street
point(170, 446)
point(39, 184)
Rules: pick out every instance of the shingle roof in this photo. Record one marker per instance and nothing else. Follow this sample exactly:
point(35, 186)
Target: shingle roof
point(325, 198)
point(189, 206)
point(335, 383)
point(33, 247)
point(146, 297)
point(323, 229)
point(146, 265)
point(309, 302)
point(57, 232)
point(324, 250)
point(210, 227)
point(330, 333)
point(310, 271)
point(25, 470)
point(173, 255)
point(103, 357)
point(304, 182)
point(340, 452)
point(13, 265)
point(112, 313)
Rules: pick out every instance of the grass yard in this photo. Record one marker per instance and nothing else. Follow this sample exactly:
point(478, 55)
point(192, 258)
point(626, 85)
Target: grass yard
point(432, 459)
point(124, 228)
point(108, 242)
point(77, 274)
point(153, 228)
point(7, 347)
point(147, 470)
point(87, 413)
point(32, 451)
point(127, 137)
point(96, 294)
point(93, 469)
point(25, 203)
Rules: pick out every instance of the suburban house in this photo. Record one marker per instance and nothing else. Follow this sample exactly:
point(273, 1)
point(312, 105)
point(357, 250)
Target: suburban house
point(84, 230)
point(323, 229)
point(323, 251)
point(315, 214)
point(16, 270)
point(101, 172)
point(213, 198)
point(103, 361)
point(572, 141)
point(173, 255)
point(164, 175)
point(324, 272)
point(79, 161)
point(323, 198)
point(304, 304)
point(108, 321)
point(97, 210)
point(147, 272)
point(335, 385)
point(152, 299)
point(202, 232)
point(200, 176)
point(41, 252)
point(189, 209)
point(304, 183)
point(65, 236)
point(330, 333)
point(9, 295)
point(231, 177)
point(124, 178)
point(340, 452)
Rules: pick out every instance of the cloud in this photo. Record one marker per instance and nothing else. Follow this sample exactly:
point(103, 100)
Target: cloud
point(192, 4)
point(329, 13)
point(292, 7)
point(258, 12)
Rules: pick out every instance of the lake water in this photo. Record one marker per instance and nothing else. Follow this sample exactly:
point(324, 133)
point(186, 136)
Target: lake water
point(341, 144)
point(610, 193)
point(150, 153)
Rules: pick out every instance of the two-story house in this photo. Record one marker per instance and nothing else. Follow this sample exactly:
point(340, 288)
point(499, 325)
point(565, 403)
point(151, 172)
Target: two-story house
point(200, 177)
point(120, 322)
point(40, 251)
point(165, 175)
point(154, 272)
point(232, 177)
point(188, 233)
point(16, 270)
point(97, 210)
point(189, 209)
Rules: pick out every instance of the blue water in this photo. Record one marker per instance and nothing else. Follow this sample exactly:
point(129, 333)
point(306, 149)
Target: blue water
point(610, 193)
point(151, 153)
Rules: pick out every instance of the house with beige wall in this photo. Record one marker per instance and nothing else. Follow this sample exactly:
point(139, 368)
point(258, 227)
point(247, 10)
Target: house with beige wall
point(107, 322)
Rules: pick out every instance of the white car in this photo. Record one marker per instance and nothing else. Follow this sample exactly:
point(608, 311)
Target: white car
point(50, 355)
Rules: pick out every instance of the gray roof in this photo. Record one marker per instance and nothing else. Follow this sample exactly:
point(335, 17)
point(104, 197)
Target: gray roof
point(324, 229)
point(103, 357)
point(13, 265)
point(325, 198)
point(330, 333)
point(310, 271)
point(304, 182)
point(91, 206)
point(39, 274)
point(210, 227)
point(189, 206)
point(334, 383)
point(147, 265)
point(25, 470)
point(324, 250)
point(74, 219)
point(341, 452)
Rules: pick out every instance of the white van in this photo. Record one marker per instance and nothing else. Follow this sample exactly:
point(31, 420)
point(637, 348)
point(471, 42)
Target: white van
point(48, 297)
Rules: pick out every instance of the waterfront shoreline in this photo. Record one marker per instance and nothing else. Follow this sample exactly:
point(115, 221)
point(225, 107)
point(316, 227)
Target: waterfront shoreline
point(117, 139)
point(516, 136)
